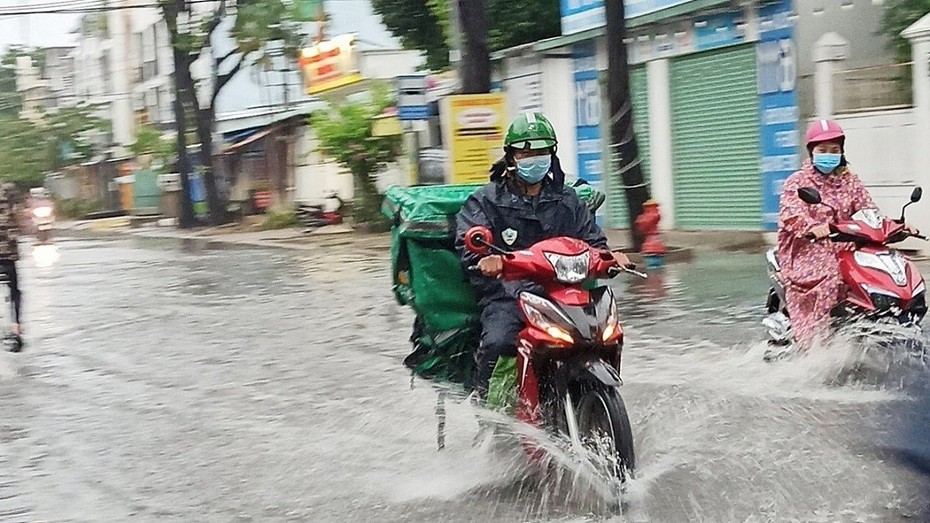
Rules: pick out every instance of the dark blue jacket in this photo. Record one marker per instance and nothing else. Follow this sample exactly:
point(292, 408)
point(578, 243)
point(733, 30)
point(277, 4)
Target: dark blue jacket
point(519, 221)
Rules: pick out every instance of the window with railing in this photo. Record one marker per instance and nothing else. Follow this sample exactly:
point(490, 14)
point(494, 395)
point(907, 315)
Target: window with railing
point(873, 88)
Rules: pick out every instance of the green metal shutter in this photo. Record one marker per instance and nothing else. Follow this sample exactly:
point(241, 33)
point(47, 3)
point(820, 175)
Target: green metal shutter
point(715, 140)
point(617, 214)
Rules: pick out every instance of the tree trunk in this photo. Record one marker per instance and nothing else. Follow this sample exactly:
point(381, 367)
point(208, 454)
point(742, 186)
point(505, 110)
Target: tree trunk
point(624, 161)
point(181, 63)
point(476, 60)
point(205, 118)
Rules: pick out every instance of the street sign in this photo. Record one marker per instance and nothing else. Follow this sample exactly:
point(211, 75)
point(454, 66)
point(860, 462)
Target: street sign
point(412, 103)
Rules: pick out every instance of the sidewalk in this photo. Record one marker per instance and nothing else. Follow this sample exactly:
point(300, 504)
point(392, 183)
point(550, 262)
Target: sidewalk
point(294, 239)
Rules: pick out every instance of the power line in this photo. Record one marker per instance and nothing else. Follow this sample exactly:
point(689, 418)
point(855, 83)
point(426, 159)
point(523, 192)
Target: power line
point(88, 9)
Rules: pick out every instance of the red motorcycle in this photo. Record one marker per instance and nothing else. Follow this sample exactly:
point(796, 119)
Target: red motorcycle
point(879, 285)
point(568, 354)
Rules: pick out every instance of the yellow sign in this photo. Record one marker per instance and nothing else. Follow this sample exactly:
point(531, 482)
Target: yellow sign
point(386, 125)
point(330, 64)
point(477, 123)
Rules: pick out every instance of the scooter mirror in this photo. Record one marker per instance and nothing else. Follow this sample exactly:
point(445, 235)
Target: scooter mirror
point(809, 195)
point(915, 196)
point(478, 240)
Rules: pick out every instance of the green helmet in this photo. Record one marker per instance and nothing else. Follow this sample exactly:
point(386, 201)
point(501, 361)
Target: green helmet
point(530, 131)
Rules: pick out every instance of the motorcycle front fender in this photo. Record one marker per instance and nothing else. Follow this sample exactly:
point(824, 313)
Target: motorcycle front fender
point(603, 373)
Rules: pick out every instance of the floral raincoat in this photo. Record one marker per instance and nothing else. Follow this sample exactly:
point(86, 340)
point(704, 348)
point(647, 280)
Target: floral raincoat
point(811, 268)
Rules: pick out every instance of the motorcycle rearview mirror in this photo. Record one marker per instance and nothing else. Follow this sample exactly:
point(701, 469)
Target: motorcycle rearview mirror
point(915, 197)
point(479, 240)
point(809, 195)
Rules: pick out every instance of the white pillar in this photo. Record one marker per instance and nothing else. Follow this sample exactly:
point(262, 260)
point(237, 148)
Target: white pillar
point(830, 49)
point(122, 116)
point(919, 36)
point(660, 140)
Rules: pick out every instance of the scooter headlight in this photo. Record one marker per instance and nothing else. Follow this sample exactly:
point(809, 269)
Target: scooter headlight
point(612, 329)
point(570, 269)
point(42, 212)
point(545, 316)
point(892, 264)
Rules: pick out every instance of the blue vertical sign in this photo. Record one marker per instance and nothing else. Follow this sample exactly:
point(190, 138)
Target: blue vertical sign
point(588, 114)
point(776, 58)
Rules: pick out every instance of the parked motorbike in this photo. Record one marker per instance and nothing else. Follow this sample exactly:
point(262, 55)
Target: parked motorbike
point(569, 353)
point(881, 289)
point(328, 212)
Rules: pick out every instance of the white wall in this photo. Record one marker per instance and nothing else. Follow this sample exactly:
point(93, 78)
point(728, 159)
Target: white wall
point(315, 176)
point(386, 64)
point(559, 107)
point(882, 150)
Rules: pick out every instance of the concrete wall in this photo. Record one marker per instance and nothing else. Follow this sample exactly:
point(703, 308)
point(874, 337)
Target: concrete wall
point(858, 24)
point(883, 151)
point(315, 176)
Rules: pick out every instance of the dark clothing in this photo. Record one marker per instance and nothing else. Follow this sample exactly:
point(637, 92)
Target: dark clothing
point(500, 324)
point(9, 247)
point(8, 268)
point(517, 222)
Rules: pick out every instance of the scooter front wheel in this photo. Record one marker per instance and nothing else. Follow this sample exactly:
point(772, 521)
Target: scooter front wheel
point(604, 427)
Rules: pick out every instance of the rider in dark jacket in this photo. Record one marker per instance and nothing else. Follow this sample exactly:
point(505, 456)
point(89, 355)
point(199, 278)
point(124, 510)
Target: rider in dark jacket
point(526, 202)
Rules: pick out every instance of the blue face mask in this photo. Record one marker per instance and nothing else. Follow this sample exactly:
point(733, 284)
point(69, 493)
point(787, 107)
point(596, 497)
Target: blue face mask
point(532, 170)
point(826, 163)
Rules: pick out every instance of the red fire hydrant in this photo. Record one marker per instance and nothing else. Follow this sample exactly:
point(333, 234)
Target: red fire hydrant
point(647, 224)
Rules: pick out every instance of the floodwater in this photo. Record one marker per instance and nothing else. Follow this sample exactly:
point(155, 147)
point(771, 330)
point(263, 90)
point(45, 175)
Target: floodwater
point(163, 380)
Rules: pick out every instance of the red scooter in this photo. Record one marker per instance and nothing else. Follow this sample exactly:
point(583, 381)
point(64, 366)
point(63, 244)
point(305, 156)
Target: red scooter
point(878, 284)
point(568, 355)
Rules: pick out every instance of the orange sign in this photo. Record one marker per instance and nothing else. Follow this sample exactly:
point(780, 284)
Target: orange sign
point(330, 64)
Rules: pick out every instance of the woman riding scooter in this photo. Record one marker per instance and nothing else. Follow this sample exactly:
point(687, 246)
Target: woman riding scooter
point(808, 258)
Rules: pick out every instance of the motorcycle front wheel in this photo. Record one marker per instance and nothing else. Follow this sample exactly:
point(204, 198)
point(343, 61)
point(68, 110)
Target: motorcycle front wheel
point(604, 427)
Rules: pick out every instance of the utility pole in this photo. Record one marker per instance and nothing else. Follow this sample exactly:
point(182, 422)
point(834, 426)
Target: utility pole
point(624, 161)
point(475, 72)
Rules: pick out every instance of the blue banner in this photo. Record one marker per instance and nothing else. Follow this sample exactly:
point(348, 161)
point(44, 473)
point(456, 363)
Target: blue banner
point(776, 63)
point(718, 31)
point(581, 15)
point(588, 116)
point(587, 113)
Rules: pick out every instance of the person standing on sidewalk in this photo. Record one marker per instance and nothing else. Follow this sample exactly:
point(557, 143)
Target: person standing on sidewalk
point(9, 249)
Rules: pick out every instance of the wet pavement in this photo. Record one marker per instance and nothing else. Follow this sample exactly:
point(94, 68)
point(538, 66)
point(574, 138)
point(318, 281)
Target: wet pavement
point(164, 380)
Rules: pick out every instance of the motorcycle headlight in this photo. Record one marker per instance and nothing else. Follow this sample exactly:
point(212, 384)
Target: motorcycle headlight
point(891, 264)
point(570, 269)
point(612, 327)
point(42, 212)
point(545, 316)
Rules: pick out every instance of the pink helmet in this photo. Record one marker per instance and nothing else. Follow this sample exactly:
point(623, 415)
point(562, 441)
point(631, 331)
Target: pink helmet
point(824, 131)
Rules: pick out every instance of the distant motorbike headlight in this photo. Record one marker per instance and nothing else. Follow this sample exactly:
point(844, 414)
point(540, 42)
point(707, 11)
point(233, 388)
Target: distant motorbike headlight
point(42, 212)
point(570, 269)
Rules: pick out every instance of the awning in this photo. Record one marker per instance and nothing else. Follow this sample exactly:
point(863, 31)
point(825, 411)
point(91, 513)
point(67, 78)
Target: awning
point(251, 139)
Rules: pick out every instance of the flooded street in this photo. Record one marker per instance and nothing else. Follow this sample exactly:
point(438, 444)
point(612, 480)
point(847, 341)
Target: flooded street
point(163, 380)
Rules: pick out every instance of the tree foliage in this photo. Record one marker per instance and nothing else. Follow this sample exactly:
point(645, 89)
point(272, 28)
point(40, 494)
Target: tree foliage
point(418, 27)
point(150, 141)
point(424, 24)
point(898, 16)
point(29, 150)
point(344, 132)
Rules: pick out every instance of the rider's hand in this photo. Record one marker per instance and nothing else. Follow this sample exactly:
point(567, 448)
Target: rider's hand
point(491, 266)
point(820, 232)
point(910, 229)
point(622, 259)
